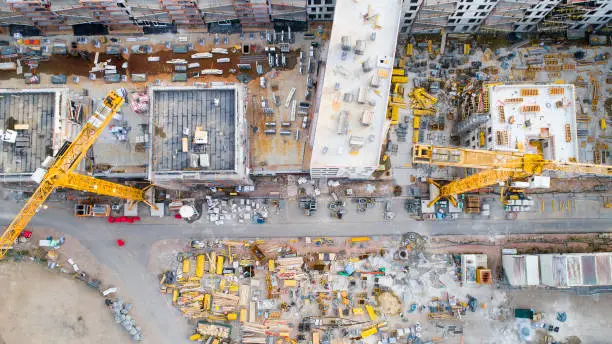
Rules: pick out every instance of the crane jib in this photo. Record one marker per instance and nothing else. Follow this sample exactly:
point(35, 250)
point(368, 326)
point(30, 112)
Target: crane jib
point(60, 172)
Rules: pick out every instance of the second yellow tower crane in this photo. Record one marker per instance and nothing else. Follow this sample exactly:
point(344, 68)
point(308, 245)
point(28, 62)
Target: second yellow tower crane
point(497, 166)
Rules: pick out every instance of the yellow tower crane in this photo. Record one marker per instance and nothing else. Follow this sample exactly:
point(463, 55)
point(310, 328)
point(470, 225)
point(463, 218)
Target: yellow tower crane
point(497, 166)
point(60, 172)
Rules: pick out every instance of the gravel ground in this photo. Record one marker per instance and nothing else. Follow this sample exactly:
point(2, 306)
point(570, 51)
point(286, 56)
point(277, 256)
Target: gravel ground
point(43, 306)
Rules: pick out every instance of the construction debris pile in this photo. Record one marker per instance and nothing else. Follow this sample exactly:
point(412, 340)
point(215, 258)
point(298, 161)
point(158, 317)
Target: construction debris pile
point(121, 314)
point(313, 290)
point(241, 210)
point(139, 102)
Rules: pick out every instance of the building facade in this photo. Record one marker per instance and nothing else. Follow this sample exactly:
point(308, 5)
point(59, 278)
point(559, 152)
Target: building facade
point(320, 9)
point(469, 16)
point(60, 16)
point(418, 16)
point(349, 124)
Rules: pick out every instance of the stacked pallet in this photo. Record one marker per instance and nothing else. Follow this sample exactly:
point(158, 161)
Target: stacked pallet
point(502, 114)
point(501, 137)
point(530, 108)
point(513, 100)
point(529, 92)
point(473, 205)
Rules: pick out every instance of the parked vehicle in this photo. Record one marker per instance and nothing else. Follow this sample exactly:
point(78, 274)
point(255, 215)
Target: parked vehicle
point(128, 219)
point(96, 210)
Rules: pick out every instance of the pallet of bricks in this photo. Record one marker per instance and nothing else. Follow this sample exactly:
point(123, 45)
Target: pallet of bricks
point(472, 205)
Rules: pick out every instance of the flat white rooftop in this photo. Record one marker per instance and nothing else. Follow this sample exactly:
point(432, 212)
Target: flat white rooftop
point(347, 144)
point(544, 113)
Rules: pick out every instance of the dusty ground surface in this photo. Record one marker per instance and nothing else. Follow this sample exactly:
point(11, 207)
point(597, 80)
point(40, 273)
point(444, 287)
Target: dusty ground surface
point(43, 306)
point(55, 307)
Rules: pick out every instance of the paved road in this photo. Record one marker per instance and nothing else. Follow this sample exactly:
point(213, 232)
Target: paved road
point(130, 262)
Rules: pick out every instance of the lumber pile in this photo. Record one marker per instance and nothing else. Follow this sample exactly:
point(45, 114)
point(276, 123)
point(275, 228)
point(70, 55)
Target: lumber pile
point(291, 268)
point(254, 328)
point(214, 330)
point(223, 300)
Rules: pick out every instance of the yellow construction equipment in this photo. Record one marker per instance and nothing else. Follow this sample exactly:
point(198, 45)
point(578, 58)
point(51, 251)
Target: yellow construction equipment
point(497, 166)
point(399, 79)
point(195, 337)
point(424, 112)
point(60, 173)
point(398, 90)
point(199, 265)
point(595, 91)
point(186, 265)
point(219, 267)
point(369, 332)
point(481, 138)
point(409, 48)
point(207, 302)
point(421, 100)
point(358, 240)
point(371, 314)
point(393, 114)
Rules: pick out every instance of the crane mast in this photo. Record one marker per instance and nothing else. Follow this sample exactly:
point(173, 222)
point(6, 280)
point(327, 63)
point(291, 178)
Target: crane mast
point(61, 172)
point(496, 166)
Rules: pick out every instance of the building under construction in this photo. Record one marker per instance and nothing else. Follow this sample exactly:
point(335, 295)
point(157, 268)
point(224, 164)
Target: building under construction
point(529, 118)
point(198, 136)
point(350, 124)
point(33, 125)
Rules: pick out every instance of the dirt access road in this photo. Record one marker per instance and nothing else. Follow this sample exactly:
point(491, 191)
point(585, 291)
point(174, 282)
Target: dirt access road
point(42, 306)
